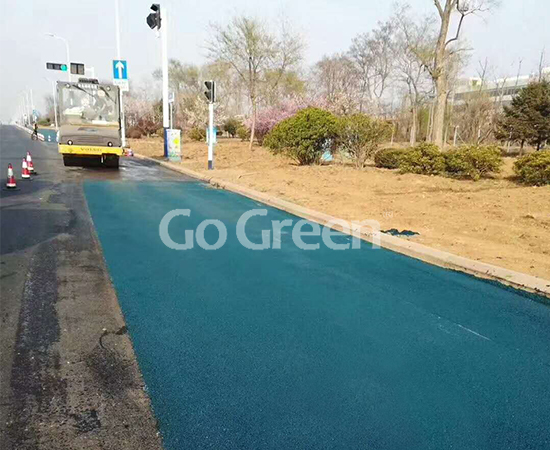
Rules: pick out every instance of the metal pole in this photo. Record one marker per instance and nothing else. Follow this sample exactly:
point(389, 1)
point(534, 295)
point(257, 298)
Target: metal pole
point(122, 119)
point(27, 106)
point(117, 24)
point(171, 115)
point(25, 109)
point(32, 106)
point(165, 112)
point(68, 57)
point(54, 105)
point(55, 36)
point(210, 136)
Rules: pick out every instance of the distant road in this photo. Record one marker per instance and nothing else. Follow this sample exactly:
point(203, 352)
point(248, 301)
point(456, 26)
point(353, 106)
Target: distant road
point(50, 134)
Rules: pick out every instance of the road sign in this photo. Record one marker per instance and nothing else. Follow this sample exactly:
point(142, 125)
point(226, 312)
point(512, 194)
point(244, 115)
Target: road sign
point(120, 69)
point(122, 84)
point(120, 74)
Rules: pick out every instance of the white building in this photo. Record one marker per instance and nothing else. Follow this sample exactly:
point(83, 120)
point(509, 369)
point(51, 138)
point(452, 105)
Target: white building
point(501, 90)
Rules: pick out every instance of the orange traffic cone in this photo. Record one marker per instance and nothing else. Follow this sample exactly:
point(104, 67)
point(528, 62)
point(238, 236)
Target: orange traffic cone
point(11, 184)
point(29, 162)
point(25, 170)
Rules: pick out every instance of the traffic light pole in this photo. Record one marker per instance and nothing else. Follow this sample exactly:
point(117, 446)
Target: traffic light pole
point(211, 136)
point(165, 107)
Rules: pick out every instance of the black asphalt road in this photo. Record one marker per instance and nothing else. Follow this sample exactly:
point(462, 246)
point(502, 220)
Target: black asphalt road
point(68, 374)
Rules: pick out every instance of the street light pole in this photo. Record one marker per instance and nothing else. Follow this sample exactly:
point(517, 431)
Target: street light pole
point(32, 105)
point(122, 119)
point(55, 36)
point(27, 107)
point(24, 107)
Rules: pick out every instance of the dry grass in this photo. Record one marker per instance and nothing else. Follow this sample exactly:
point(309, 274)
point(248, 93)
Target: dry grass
point(493, 220)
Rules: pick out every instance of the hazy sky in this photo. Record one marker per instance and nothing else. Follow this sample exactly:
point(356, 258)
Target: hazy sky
point(517, 29)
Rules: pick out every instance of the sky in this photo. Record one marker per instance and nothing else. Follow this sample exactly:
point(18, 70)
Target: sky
point(518, 29)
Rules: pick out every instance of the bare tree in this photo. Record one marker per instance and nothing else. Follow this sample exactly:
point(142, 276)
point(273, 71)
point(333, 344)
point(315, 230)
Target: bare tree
point(231, 95)
point(48, 100)
point(541, 64)
point(254, 51)
point(413, 37)
point(373, 54)
point(336, 80)
point(278, 89)
point(439, 62)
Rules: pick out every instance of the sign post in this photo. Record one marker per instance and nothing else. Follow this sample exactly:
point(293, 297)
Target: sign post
point(211, 136)
point(122, 118)
point(120, 78)
point(211, 96)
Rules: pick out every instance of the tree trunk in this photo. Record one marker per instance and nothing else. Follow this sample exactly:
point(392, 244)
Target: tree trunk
point(439, 112)
point(253, 126)
point(439, 73)
point(414, 119)
point(521, 147)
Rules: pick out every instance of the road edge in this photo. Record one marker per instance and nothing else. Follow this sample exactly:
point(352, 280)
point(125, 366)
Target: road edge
point(144, 391)
point(415, 250)
point(40, 135)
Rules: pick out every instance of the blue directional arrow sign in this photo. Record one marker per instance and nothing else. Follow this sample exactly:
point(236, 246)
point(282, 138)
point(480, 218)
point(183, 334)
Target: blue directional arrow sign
point(120, 69)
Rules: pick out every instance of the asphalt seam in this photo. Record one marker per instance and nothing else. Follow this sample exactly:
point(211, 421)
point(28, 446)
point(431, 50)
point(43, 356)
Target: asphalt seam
point(415, 250)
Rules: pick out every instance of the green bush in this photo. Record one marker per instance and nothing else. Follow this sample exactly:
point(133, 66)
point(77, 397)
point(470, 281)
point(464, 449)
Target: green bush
point(231, 125)
point(197, 134)
point(360, 136)
point(473, 162)
point(304, 136)
point(389, 158)
point(425, 159)
point(243, 133)
point(534, 168)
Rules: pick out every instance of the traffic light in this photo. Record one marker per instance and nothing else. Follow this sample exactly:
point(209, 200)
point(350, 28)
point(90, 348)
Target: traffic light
point(153, 19)
point(211, 91)
point(56, 66)
point(77, 69)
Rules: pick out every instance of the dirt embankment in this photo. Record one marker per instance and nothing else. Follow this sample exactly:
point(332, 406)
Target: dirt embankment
point(495, 221)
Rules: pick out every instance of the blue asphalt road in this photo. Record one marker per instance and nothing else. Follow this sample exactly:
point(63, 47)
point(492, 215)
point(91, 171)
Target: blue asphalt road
point(294, 349)
point(50, 135)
